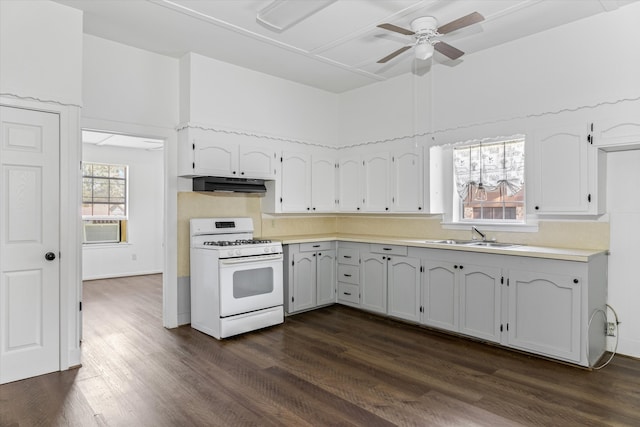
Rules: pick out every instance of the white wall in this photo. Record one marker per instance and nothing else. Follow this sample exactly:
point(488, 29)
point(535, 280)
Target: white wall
point(41, 51)
point(132, 91)
point(623, 204)
point(40, 68)
point(230, 97)
point(142, 254)
point(391, 109)
point(579, 64)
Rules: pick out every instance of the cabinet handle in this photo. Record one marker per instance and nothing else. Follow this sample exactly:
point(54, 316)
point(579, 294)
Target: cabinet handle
point(461, 267)
point(537, 208)
point(316, 246)
point(241, 173)
point(234, 172)
point(386, 209)
point(346, 293)
point(575, 280)
point(347, 256)
point(308, 208)
point(387, 249)
point(347, 275)
point(455, 266)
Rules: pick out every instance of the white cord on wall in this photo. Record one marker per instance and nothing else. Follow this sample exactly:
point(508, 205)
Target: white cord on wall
point(617, 322)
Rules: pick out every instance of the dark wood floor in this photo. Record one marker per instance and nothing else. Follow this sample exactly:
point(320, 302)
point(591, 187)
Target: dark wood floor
point(334, 366)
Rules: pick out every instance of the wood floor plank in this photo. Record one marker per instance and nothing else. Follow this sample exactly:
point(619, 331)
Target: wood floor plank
point(332, 366)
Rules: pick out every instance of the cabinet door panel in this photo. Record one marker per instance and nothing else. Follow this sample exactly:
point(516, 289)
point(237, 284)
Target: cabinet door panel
point(323, 184)
point(296, 182)
point(407, 183)
point(216, 159)
point(544, 314)
point(325, 277)
point(440, 295)
point(376, 183)
point(373, 283)
point(403, 281)
point(561, 172)
point(257, 162)
point(304, 281)
point(480, 302)
point(349, 184)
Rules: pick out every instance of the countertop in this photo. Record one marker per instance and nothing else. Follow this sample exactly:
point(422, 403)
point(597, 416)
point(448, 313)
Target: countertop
point(565, 254)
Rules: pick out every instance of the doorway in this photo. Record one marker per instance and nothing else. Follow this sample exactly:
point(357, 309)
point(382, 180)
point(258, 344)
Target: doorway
point(123, 205)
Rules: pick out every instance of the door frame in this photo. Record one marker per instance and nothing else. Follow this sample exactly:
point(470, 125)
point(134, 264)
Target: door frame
point(170, 226)
point(70, 244)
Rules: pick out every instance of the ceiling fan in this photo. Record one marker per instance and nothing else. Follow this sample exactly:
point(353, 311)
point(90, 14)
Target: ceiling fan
point(426, 32)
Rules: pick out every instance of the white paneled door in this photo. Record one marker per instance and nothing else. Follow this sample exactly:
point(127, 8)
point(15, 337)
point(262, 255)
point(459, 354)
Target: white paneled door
point(29, 243)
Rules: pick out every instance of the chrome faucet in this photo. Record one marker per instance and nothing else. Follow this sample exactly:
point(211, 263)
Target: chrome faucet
point(484, 236)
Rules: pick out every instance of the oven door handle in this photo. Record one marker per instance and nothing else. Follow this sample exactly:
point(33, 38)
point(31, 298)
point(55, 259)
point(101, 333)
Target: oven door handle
point(250, 259)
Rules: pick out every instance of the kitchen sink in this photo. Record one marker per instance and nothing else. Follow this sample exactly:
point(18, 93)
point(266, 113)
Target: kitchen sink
point(451, 242)
point(473, 243)
point(493, 244)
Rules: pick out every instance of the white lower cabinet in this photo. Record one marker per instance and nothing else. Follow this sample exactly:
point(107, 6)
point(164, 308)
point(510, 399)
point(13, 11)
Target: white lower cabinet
point(545, 313)
point(543, 306)
point(309, 275)
point(403, 284)
point(480, 301)
point(440, 295)
point(373, 283)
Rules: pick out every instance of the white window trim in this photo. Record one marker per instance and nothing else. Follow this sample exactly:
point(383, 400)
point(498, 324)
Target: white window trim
point(450, 220)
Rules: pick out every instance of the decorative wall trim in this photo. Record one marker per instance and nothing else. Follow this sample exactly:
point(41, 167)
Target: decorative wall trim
point(189, 125)
point(536, 115)
point(44, 101)
point(402, 138)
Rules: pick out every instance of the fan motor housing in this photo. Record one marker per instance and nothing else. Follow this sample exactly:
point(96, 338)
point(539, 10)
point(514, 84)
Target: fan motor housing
point(424, 24)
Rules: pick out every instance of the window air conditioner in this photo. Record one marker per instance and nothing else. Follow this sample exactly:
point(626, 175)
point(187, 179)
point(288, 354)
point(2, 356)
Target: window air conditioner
point(102, 232)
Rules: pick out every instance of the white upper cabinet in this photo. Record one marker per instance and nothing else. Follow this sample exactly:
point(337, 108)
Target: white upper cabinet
point(256, 162)
point(568, 172)
point(323, 184)
point(350, 184)
point(377, 182)
point(210, 153)
point(308, 183)
point(408, 183)
point(296, 182)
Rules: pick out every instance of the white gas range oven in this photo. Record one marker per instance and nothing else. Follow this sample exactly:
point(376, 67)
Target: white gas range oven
point(236, 281)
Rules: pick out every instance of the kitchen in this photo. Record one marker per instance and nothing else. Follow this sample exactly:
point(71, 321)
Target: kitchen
point(548, 84)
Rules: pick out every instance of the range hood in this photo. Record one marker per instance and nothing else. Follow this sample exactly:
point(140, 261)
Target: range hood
point(229, 185)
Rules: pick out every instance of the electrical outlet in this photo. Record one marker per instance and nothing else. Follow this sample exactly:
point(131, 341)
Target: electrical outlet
point(611, 329)
point(134, 257)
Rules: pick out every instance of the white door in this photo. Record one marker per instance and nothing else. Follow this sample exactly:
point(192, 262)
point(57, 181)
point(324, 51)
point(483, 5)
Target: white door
point(29, 244)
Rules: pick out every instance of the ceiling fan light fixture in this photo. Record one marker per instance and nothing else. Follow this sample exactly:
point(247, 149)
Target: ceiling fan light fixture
point(424, 51)
point(282, 14)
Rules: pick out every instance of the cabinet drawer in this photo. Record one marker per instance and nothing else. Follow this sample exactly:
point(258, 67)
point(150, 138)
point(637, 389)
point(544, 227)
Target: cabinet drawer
point(389, 249)
point(349, 293)
point(316, 246)
point(348, 256)
point(349, 274)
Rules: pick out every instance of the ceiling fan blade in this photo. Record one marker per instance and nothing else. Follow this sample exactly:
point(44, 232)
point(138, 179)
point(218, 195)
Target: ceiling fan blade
point(448, 50)
point(394, 54)
point(465, 21)
point(395, 28)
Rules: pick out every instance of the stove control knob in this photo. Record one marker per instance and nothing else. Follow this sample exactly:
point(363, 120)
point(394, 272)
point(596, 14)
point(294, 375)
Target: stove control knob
point(230, 253)
point(238, 252)
point(273, 249)
point(266, 249)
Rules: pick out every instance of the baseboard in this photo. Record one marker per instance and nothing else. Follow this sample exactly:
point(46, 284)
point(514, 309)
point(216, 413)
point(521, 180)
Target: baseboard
point(113, 276)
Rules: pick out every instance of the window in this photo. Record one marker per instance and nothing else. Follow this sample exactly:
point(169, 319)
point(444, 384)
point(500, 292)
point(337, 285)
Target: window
point(489, 181)
point(104, 202)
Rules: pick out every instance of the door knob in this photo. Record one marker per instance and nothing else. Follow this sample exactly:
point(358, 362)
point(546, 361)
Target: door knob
point(49, 256)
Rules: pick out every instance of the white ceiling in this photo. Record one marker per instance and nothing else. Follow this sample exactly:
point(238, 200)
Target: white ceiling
point(334, 49)
point(119, 140)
